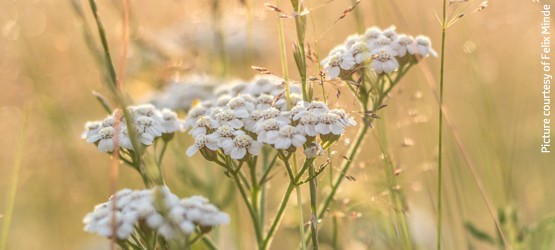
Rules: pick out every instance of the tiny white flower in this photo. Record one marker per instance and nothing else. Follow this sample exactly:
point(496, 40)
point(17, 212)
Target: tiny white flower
point(390, 33)
point(201, 142)
point(329, 123)
point(143, 110)
point(372, 34)
point(109, 121)
point(264, 101)
point(148, 125)
point(297, 112)
point(379, 43)
point(105, 139)
point(334, 63)
point(344, 118)
point(401, 44)
point(194, 114)
point(268, 114)
point(240, 106)
point(250, 122)
point(202, 126)
point(227, 117)
point(91, 128)
point(266, 128)
point(223, 100)
point(422, 47)
point(337, 50)
point(124, 139)
point(351, 40)
point(307, 124)
point(361, 52)
point(169, 122)
point(384, 60)
point(286, 137)
point(240, 145)
point(281, 104)
point(222, 134)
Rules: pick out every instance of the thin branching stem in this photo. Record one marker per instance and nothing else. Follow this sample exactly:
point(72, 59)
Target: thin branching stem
point(440, 130)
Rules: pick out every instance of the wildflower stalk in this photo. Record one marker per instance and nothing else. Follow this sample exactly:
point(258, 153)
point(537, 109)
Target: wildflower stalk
point(300, 56)
point(299, 202)
point(12, 191)
point(440, 122)
point(397, 198)
point(313, 207)
point(283, 204)
point(283, 56)
point(117, 91)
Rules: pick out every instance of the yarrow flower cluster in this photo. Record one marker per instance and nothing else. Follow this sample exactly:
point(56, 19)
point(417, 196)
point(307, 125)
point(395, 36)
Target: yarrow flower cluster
point(159, 209)
point(382, 50)
point(148, 121)
point(248, 115)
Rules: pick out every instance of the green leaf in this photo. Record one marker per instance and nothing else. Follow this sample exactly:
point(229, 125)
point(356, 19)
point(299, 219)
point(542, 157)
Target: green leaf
point(478, 234)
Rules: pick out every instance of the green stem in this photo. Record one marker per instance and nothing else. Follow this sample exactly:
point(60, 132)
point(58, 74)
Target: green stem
point(252, 212)
point(209, 243)
point(284, 70)
point(440, 130)
point(313, 207)
point(343, 172)
point(283, 204)
point(12, 191)
point(299, 202)
point(279, 216)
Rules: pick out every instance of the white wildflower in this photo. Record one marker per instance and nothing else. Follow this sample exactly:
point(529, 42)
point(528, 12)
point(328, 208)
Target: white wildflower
point(384, 61)
point(344, 118)
point(307, 124)
point(105, 139)
point(169, 122)
point(202, 142)
point(401, 44)
point(329, 123)
point(286, 137)
point(240, 106)
point(361, 52)
point(91, 128)
point(227, 117)
point(202, 126)
point(334, 64)
point(422, 47)
point(240, 145)
point(222, 134)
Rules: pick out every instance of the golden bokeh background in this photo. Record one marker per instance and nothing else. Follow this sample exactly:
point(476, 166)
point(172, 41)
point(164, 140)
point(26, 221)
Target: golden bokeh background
point(492, 93)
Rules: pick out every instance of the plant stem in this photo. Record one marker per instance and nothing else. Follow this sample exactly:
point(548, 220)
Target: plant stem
point(343, 172)
point(12, 191)
point(313, 207)
point(279, 216)
point(252, 212)
point(440, 130)
point(284, 70)
point(299, 201)
point(209, 243)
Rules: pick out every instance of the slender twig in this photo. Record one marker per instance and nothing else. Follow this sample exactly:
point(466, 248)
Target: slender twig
point(440, 130)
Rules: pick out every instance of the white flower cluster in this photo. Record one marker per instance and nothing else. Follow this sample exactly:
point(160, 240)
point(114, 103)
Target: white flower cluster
point(180, 94)
point(248, 115)
point(383, 48)
point(148, 121)
point(144, 206)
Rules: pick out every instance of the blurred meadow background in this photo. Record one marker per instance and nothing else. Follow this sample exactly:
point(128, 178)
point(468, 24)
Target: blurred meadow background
point(492, 95)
